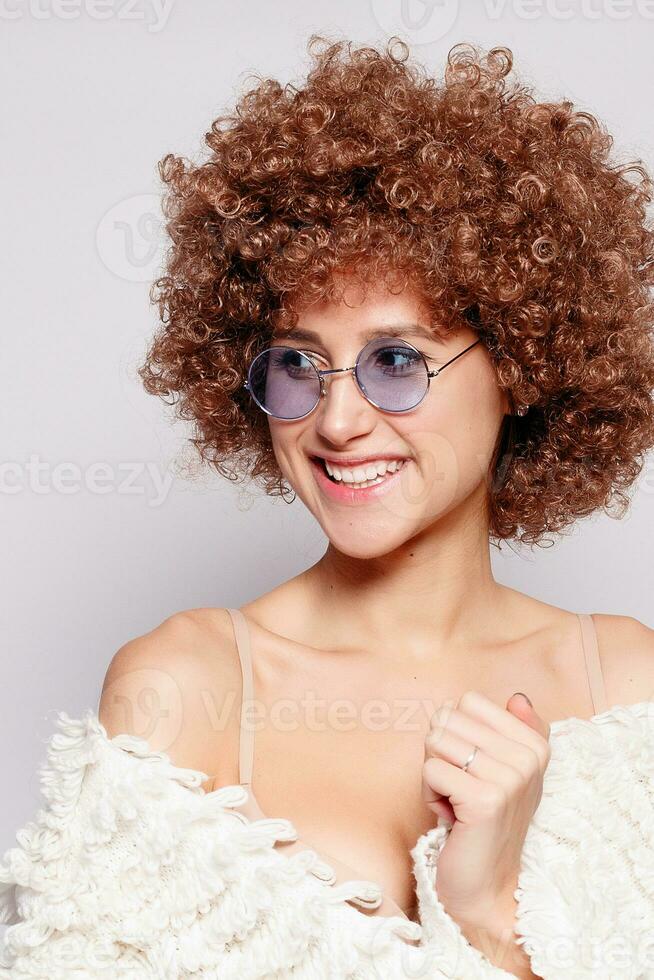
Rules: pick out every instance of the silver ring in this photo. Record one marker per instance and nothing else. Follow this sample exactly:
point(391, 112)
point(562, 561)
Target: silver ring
point(470, 758)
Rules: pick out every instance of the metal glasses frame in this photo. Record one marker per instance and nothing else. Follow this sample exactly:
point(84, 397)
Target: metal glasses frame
point(322, 374)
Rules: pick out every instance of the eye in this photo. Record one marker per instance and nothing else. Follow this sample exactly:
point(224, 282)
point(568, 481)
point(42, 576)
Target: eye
point(313, 355)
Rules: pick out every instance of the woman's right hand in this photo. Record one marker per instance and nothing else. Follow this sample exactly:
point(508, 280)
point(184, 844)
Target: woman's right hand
point(489, 806)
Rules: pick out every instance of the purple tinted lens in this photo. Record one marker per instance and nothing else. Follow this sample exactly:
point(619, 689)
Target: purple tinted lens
point(393, 377)
point(284, 382)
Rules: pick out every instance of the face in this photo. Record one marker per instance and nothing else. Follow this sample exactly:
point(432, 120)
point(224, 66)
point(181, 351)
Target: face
point(437, 455)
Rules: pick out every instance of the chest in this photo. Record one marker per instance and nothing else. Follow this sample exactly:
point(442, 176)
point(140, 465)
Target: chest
point(340, 754)
point(343, 762)
point(354, 796)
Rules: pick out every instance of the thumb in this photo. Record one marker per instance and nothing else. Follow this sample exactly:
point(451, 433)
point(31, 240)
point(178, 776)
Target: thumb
point(520, 705)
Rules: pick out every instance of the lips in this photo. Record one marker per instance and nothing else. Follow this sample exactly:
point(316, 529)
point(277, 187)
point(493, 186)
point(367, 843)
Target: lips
point(345, 493)
point(352, 461)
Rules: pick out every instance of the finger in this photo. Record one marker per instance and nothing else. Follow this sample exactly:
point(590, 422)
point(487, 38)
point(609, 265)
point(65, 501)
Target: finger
point(521, 756)
point(450, 747)
point(484, 710)
point(438, 802)
point(442, 808)
point(519, 705)
point(470, 798)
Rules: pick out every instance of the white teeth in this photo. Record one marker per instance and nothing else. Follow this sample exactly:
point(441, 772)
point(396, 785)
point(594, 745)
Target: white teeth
point(363, 474)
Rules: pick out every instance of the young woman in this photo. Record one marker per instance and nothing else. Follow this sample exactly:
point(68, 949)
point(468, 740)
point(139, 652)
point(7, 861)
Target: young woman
point(424, 308)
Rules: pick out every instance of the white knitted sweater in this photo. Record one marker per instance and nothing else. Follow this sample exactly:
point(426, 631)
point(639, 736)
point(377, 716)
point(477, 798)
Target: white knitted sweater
point(131, 872)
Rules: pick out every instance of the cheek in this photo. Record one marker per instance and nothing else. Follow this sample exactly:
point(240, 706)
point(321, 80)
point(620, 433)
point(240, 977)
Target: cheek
point(454, 437)
point(478, 437)
point(286, 438)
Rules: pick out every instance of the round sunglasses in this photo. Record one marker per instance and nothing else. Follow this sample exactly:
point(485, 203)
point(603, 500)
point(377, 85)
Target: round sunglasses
point(391, 374)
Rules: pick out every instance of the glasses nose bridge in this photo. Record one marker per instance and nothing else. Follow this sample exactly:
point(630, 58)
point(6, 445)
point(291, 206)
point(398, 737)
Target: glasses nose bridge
point(323, 373)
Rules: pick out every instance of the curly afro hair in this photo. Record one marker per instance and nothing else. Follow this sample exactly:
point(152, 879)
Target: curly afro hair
point(504, 212)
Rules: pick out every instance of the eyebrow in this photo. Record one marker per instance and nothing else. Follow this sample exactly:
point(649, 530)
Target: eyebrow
point(397, 330)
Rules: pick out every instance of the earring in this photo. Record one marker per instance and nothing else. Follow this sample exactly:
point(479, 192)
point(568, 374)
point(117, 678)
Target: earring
point(522, 410)
point(287, 490)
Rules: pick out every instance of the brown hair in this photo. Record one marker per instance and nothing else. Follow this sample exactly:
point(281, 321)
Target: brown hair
point(504, 212)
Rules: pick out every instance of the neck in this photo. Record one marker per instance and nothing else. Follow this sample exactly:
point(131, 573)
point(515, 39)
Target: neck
point(433, 593)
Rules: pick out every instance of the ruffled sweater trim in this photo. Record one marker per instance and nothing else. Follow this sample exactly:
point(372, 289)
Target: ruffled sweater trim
point(131, 871)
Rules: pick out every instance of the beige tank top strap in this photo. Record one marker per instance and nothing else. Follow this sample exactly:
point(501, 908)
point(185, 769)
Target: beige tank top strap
point(246, 738)
point(593, 663)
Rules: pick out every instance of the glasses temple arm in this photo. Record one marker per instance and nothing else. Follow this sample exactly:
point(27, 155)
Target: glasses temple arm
point(460, 354)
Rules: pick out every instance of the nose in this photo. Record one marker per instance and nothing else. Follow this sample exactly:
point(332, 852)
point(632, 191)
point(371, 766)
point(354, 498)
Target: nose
point(343, 412)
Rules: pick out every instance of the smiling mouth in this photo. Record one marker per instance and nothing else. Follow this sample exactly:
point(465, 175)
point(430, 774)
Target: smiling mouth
point(360, 485)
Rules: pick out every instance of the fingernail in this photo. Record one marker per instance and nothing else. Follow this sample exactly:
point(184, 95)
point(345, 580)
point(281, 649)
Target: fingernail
point(525, 697)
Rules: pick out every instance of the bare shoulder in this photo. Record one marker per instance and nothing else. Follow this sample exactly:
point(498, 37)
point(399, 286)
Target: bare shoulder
point(179, 687)
point(626, 649)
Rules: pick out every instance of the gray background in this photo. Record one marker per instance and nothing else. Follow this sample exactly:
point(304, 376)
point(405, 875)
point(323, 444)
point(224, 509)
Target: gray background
point(103, 536)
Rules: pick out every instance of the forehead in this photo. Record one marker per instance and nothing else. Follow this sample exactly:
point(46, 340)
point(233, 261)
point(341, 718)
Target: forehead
point(364, 316)
point(408, 329)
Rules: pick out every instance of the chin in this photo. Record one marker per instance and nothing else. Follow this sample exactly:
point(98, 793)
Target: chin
point(363, 540)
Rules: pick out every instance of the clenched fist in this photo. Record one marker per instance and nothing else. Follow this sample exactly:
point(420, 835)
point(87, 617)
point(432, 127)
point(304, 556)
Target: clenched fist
point(489, 804)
